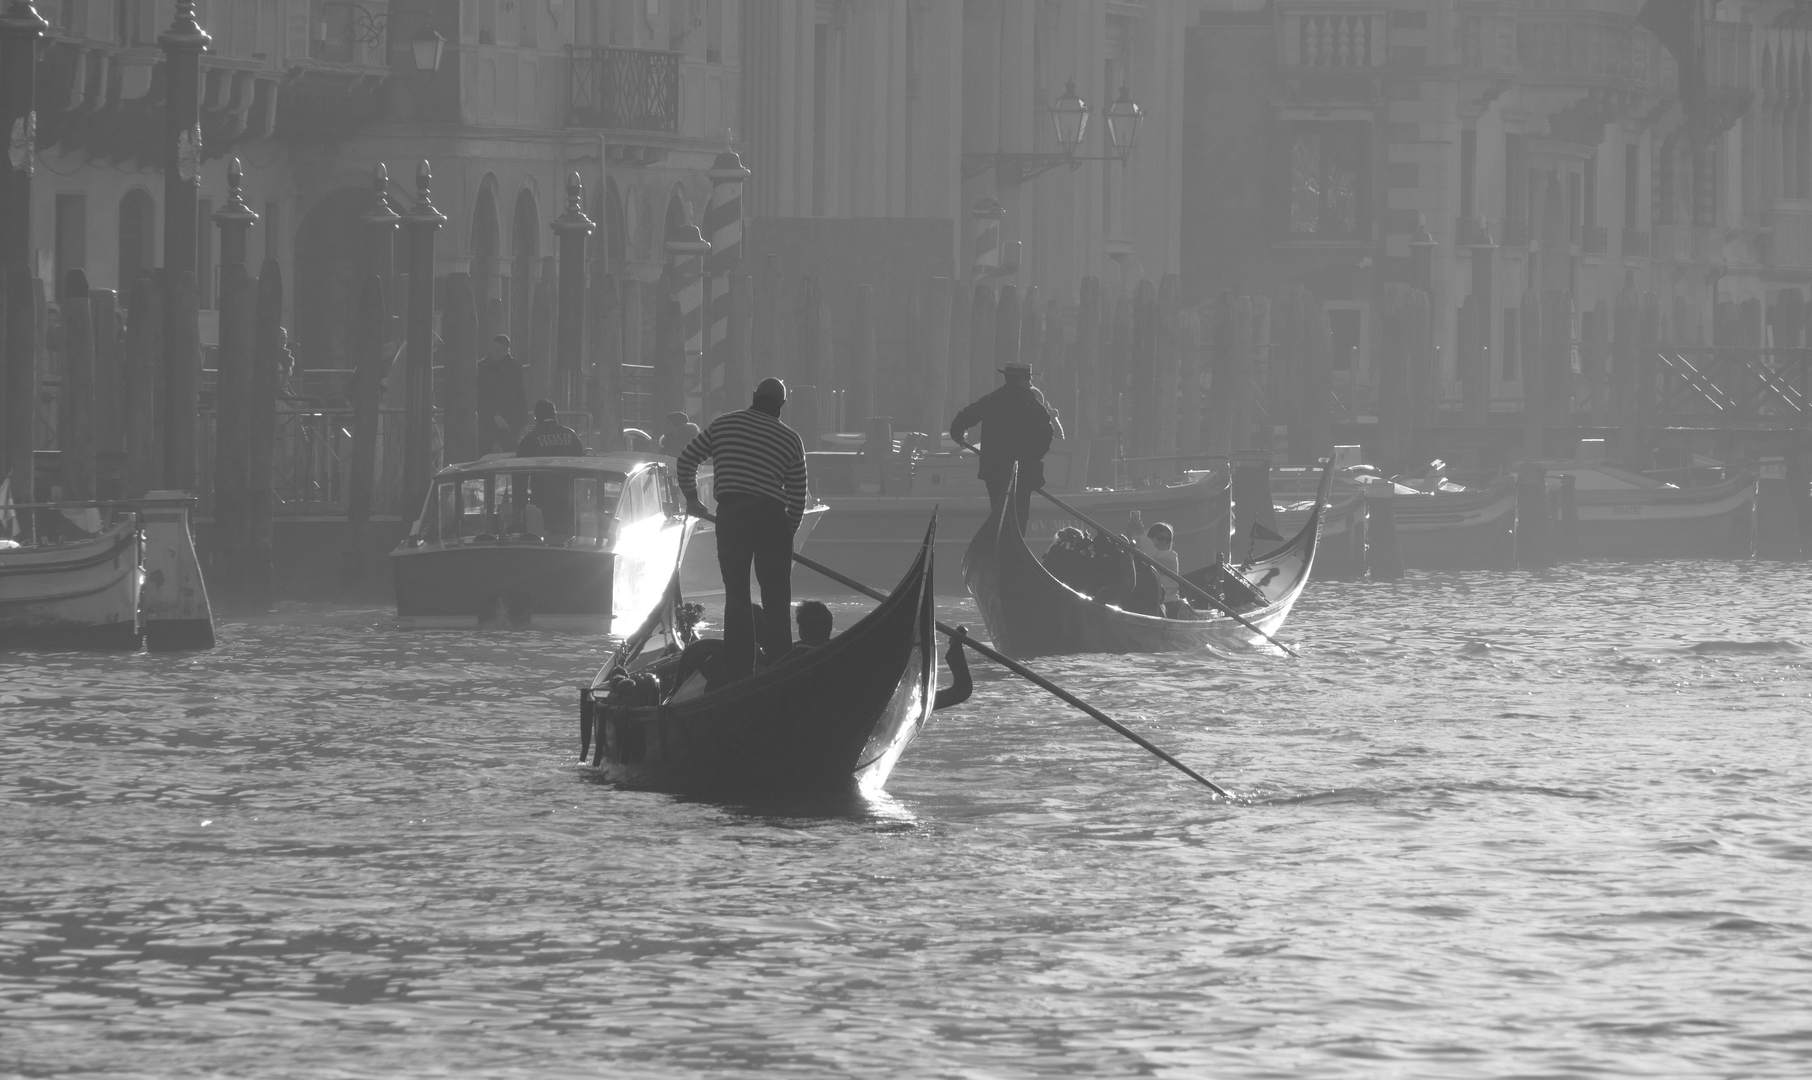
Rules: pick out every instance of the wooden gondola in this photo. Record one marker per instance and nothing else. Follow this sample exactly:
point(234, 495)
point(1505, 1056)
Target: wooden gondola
point(836, 718)
point(1030, 612)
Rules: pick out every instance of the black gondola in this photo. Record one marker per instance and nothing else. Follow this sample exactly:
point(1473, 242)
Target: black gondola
point(835, 718)
point(1030, 612)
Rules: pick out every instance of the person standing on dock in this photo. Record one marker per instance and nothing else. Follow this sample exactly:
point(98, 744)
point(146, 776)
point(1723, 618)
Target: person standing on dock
point(1016, 428)
point(759, 481)
point(502, 398)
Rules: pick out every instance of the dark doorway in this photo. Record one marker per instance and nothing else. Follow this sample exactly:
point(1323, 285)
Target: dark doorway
point(328, 272)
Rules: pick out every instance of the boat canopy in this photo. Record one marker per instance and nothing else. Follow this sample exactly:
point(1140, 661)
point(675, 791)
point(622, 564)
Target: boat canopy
point(576, 501)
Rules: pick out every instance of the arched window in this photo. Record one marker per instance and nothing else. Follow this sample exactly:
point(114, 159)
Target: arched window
point(138, 237)
point(485, 249)
point(525, 268)
point(677, 216)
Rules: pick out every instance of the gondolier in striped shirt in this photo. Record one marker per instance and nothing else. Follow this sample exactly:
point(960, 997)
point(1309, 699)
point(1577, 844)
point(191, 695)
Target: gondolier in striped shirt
point(759, 480)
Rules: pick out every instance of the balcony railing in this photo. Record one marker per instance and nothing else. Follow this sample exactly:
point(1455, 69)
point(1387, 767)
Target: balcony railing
point(624, 90)
point(1597, 240)
point(1316, 36)
point(344, 32)
point(1599, 50)
point(1635, 242)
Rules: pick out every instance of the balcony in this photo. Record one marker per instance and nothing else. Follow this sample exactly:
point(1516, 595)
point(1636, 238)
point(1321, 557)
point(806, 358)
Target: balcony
point(1597, 240)
point(1790, 234)
point(1579, 49)
point(625, 90)
point(353, 34)
point(1635, 244)
point(1332, 39)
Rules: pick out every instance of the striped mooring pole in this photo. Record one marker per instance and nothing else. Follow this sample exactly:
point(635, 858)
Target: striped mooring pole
point(686, 269)
point(723, 225)
point(987, 214)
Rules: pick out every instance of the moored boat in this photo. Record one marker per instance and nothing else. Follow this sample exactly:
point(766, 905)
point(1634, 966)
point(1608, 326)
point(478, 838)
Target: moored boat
point(1631, 515)
point(1470, 528)
point(76, 593)
point(835, 718)
point(1030, 612)
point(556, 543)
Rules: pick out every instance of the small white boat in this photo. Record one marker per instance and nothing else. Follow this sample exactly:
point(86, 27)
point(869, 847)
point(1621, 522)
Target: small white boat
point(78, 593)
point(549, 543)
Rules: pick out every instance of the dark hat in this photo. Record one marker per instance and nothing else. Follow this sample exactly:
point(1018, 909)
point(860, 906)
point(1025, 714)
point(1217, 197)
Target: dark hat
point(1022, 370)
point(544, 409)
point(772, 389)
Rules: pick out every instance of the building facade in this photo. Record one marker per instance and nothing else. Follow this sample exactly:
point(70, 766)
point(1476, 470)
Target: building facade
point(312, 95)
point(1559, 156)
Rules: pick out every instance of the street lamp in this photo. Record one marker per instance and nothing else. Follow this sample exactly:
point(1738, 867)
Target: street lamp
point(1070, 115)
point(1123, 119)
point(427, 46)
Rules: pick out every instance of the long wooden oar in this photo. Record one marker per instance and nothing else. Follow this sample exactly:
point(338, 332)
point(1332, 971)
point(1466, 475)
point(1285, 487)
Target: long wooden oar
point(1019, 669)
point(1169, 573)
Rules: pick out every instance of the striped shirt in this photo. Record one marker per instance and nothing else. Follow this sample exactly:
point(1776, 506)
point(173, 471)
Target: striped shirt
point(752, 453)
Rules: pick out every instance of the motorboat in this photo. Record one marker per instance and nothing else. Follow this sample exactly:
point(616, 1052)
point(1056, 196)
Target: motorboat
point(555, 543)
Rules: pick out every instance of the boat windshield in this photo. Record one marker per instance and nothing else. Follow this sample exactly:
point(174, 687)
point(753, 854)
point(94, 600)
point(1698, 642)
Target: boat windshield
point(551, 504)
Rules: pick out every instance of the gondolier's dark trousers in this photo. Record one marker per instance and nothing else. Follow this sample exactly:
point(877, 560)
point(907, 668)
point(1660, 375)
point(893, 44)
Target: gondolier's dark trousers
point(755, 531)
point(1022, 495)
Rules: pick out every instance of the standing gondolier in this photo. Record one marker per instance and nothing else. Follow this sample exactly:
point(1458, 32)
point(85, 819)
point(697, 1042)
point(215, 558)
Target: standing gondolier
point(1016, 428)
point(759, 481)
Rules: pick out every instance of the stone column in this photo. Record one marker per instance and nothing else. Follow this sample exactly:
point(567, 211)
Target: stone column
point(571, 228)
point(418, 420)
point(20, 29)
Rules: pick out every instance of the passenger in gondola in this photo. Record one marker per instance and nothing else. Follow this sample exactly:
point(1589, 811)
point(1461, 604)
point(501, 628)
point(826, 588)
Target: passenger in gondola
point(1115, 572)
point(1069, 560)
point(759, 481)
point(1160, 544)
point(1016, 429)
point(814, 621)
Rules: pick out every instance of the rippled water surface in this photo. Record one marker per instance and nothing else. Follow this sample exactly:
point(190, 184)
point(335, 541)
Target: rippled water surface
point(1489, 825)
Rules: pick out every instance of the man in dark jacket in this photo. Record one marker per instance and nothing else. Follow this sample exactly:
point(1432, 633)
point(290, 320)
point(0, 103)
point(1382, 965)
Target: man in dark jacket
point(549, 437)
point(551, 491)
point(1016, 428)
point(502, 399)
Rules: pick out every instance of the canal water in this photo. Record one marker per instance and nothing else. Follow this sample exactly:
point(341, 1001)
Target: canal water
point(1489, 825)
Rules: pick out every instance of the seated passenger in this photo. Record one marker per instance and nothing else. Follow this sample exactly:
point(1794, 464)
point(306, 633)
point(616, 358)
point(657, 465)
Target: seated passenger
point(814, 621)
point(1113, 574)
point(1068, 558)
point(699, 670)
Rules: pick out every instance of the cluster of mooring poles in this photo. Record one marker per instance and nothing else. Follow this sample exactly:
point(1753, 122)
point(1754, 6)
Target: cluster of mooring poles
point(128, 400)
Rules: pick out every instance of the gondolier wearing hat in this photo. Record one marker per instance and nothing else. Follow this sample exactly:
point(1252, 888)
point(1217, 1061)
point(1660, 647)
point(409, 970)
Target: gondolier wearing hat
point(759, 480)
point(1016, 428)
